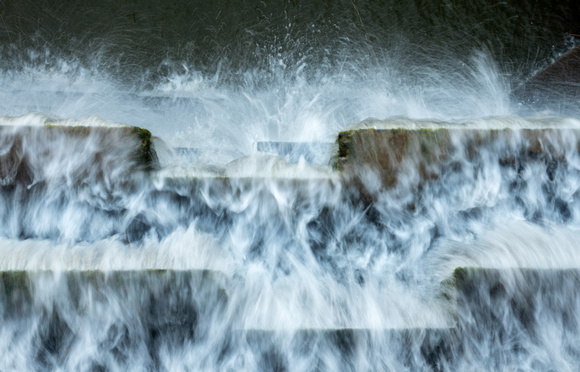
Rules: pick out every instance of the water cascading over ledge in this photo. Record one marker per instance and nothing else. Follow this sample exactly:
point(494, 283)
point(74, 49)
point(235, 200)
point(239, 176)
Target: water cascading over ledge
point(267, 223)
point(281, 270)
point(36, 169)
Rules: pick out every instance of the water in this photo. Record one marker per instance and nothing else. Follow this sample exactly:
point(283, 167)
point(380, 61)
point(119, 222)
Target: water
point(232, 258)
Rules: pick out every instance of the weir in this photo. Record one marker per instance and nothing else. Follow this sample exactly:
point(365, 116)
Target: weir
point(289, 186)
point(470, 316)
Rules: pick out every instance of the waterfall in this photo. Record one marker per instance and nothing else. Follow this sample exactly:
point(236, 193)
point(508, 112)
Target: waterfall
point(350, 185)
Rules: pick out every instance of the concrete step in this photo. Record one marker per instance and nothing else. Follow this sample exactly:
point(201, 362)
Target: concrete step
point(349, 349)
point(127, 314)
point(526, 296)
point(500, 316)
point(32, 293)
point(77, 154)
point(132, 312)
point(504, 315)
point(312, 152)
point(426, 152)
point(42, 177)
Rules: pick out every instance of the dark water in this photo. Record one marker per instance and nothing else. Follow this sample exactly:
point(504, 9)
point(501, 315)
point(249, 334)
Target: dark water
point(143, 42)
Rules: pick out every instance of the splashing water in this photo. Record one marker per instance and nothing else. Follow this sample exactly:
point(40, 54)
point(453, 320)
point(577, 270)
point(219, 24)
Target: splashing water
point(232, 257)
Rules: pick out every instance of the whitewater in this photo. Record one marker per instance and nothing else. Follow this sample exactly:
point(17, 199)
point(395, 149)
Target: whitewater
point(237, 253)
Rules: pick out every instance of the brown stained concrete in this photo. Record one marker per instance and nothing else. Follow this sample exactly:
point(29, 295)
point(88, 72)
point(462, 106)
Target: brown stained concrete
point(388, 152)
point(26, 150)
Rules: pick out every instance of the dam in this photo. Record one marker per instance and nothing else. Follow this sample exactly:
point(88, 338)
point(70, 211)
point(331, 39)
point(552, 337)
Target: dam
point(348, 186)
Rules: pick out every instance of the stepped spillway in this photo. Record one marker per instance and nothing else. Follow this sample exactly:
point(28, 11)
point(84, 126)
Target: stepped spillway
point(289, 186)
point(278, 265)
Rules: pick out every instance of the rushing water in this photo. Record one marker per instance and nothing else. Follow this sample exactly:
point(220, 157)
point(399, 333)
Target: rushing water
point(274, 261)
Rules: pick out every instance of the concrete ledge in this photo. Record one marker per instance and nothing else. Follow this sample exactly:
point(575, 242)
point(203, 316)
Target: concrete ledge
point(388, 152)
point(128, 312)
point(517, 309)
point(518, 287)
point(312, 152)
point(418, 349)
point(31, 154)
point(22, 293)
